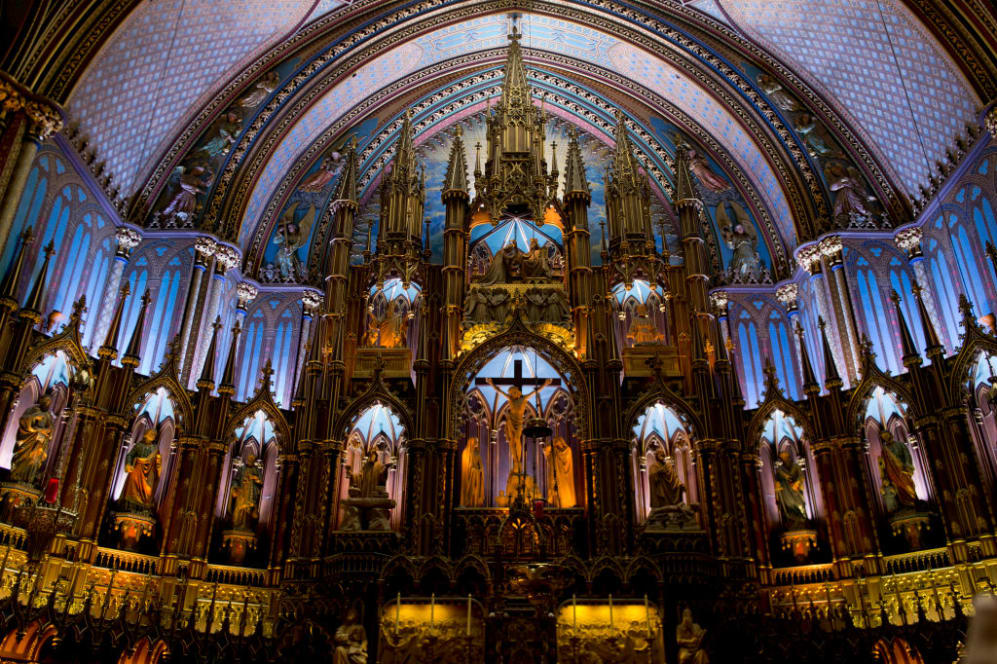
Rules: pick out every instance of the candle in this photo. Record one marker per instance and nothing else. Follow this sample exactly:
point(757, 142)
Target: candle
point(574, 612)
point(398, 610)
point(468, 632)
point(432, 607)
point(647, 615)
point(610, 610)
point(52, 490)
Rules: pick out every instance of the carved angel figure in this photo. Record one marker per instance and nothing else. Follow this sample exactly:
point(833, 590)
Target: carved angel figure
point(261, 90)
point(740, 235)
point(290, 236)
point(773, 89)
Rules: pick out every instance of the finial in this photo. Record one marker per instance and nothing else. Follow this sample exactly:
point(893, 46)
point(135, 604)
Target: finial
point(894, 296)
point(79, 308)
point(265, 373)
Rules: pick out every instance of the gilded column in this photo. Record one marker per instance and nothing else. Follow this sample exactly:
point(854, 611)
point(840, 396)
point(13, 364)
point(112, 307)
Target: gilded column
point(127, 239)
point(577, 197)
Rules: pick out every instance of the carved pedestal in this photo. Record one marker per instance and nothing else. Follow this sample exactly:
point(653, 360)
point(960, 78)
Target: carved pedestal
point(42, 523)
point(635, 361)
point(238, 544)
point(512, 489)
point(16, 494)
point(910, 524)
point(366, 513)
point(132, 527)
point(679, 517)
point(397, 362)
point(799, 542)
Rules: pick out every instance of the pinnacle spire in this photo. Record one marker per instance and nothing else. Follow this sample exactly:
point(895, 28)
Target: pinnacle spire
point(515, 88)
point(228, 374)
point(575, 180)
point(906, 339)
point(403, 166)
point(683, 175)
point(456, 175)
point(346, 188)
point(809, 378)
point(37, 294)
point(831, 376)
point(131, 354)
point(207, 379)
point(772, 389)
point(109, 349)
point(625, 167)
point(8, 289)
point(930, 335)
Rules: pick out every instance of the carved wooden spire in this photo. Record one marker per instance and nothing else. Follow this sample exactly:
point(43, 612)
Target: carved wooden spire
point(455, 179)
point(131, 357)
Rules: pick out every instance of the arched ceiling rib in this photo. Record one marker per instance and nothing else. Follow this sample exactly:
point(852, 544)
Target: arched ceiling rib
point(874, 58)
point(162, 63)
point(540, 32)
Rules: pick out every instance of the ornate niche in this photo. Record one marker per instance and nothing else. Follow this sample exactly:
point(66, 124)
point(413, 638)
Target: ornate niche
point(390, 329)
point(644, 328)
point(140, 474)
point(663, 465)
point(793, 501)
point(516, 268)
point(247, 490)
point(371, 480)
point(899, 473)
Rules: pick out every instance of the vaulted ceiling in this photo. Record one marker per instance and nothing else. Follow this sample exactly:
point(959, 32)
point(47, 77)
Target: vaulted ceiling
point(782, 97)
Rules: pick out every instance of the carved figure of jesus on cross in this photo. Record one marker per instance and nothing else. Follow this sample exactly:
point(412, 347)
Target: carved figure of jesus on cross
point(517, 407)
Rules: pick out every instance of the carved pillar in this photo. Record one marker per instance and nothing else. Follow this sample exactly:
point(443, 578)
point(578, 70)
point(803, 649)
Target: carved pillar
point(24, 123)
point(909, 240)
point(225, 259)
point(127, 239)
point(809, 259)
point(788, 296)
point(204, 252)
point(841, 304)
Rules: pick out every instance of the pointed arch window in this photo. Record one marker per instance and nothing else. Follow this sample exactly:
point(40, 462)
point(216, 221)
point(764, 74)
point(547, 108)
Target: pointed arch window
point(252, 351)
point(751, 358)
point(30, 207)
point(160, 324)
point(100, 267)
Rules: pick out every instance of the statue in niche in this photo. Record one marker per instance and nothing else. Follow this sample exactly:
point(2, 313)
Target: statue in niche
point(261, 90)
point(327, 171)
point(812, 134)
point(191, 182)
point(247, 487)
point(741, 237)
point(505, 264)
point(642, 329)
point(666, 487)
point(534, 265)
point(705, 175)
point(849, 197)
point(476, 307)
point(472, 475)
point(789, 491)
point(34, 432)
point(773, 90)
point(689, 638)
point(391, 331)
point(560, 473)
point(556, 308)
point(143, 466)
point(350, 640)
point(897, 469)
point(373, 476)
point(227, 130)
point(514, 421)
point(291, 235)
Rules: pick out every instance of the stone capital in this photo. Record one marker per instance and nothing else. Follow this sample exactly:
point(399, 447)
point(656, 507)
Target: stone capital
point(788, 296)
point(809, 258)
point(719, 300)
point(311, 300)
point(226, 257)
point(127, 238)
point(245, 293)
point(990, 121)
point(205, 247)
point(909, 240)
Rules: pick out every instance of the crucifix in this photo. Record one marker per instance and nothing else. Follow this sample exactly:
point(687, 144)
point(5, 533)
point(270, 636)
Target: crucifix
point(517, 408)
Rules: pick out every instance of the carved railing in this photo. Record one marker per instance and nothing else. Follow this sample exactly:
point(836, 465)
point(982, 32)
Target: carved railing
point(803, 574)
point(126, 561)
point(236, 576)
point(917, 561)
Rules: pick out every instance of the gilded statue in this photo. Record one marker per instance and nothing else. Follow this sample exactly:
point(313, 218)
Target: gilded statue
point(514, 421)
point(689, 638)
point(34, 431)
point(350, 641)
point(391, 331)
point(789, 491)
point(560, 473)
point(897, 468)
point(666, 487)
point(642, 329)
point(472, 476)
point(143, 465)
point(247, 487)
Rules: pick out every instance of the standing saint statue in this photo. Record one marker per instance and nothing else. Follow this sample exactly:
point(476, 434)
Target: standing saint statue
point(666, 487)
point(897, 466)
point(472, 475)
point(689, 638)
point(393, 328)
point(789, 491)
point(351, 641)
point(535, 265)
point(34, 431)
point(142, 468)
point(514, 421)
point(373, 476)
point(247, 487)
point(560, 473)
point(503, 265)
